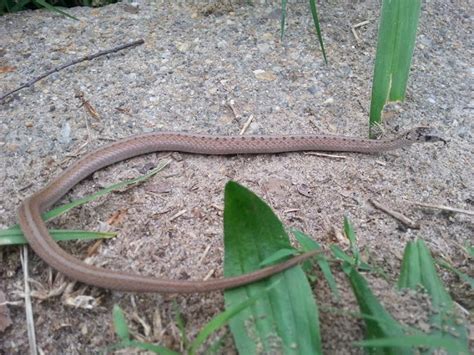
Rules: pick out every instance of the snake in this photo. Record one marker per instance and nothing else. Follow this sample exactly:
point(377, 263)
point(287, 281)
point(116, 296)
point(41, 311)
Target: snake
point(40, 240)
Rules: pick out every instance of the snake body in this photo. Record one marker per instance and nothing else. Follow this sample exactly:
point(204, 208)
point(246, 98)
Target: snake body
point(35, 231)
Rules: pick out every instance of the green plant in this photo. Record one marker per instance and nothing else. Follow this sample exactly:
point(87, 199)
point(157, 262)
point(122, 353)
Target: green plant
point(317, 27)
point(418, 269)
point(395, 44)
point(396, 41)
point(285, 319)
point(383, 333)
point(281, 311)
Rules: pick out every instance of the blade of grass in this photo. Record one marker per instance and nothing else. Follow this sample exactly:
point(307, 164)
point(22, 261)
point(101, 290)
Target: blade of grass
point(464, 277)
point(379, 323)
point(383, 325)
point(283, 18)
point(120, 323)
point(350, 234)
point(49, 7)
point(395, 44)
point(309, 244)
point(356, 258)
point(179, 320)
point(62, 209)
point(445, 322)
point(286, 318)
point(121, 329)
point(278, 256)
point(314, 14)
point(223, 318)
point(16, 237)
point(19, 6)
point(410, 273)
point(66, 207)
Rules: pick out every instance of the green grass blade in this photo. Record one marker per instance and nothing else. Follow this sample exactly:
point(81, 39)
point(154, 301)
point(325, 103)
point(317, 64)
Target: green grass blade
point(286, 318)
point(223, 318)
point(19, 6)
point(396, 41)
point(16, 237)
point(278, 256)
point(314, 14)
point(309, 244)
point(339, 254)
point(464, 277)
point(121, 329)
point(430, 279)
point(417, 260)
point(445, 319)
point(179, 320)
point(350, 234)
point(120, 323)
point(379, 323)
point(47, 6)
point(410, 273)
point(64, 208)
point(283, 18)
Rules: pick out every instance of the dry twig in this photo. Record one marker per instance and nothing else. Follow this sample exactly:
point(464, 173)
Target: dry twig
point(397, 215)
point(326, 155)
point(442, 207)
point(76, 61)
point(354, 32)
point(246, 125)
point(30, 323)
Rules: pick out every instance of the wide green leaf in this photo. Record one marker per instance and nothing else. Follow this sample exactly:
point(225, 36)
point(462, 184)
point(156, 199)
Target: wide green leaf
point(285, 320)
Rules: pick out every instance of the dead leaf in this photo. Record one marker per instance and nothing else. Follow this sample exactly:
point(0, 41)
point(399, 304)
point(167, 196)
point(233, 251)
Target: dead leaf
point(87, 106)
point(117, 217)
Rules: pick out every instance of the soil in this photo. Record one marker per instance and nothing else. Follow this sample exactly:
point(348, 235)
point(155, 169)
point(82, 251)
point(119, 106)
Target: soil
point(209, 67)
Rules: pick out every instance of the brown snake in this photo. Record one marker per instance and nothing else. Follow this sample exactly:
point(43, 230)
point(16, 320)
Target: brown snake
point(35, 231)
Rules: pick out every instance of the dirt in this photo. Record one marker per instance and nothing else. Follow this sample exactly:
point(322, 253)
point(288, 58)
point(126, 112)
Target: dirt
point(209, 67)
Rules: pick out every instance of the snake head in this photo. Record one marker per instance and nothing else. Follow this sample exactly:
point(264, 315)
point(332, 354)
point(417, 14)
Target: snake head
point(423, 134)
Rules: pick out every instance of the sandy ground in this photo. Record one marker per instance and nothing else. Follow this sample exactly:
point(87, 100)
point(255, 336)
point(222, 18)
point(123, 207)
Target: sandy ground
point(196, 73)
